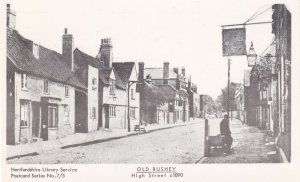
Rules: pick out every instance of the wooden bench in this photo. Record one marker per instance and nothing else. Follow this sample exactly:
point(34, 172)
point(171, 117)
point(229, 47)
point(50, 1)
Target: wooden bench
point(214, 142)
point(139, 128)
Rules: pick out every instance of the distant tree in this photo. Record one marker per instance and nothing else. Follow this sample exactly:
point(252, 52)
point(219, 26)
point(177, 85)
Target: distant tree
point(210, 105)
point(223, 97)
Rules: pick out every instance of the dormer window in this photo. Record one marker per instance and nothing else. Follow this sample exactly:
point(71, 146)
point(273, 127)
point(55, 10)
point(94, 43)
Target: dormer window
point(36, 51)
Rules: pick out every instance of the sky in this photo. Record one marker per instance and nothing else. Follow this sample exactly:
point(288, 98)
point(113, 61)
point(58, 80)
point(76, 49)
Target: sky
point(183, 32)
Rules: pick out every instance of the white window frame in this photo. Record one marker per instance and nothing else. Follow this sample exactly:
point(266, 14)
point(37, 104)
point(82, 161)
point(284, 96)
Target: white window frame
point(54, 122)
point(112, 84)
point(94, 83)
point(24, 113)
point(46, 87)
point(132, 94)
point(112, 111)
point(24, 79)
point(36, 50)
point(93, 113)
point(67, 91)
point(132, 113)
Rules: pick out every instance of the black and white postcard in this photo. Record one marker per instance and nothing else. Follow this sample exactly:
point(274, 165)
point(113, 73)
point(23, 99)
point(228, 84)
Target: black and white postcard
point(136, 90)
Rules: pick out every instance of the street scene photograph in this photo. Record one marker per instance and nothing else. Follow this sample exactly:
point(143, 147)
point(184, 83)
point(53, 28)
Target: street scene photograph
point(145, 82)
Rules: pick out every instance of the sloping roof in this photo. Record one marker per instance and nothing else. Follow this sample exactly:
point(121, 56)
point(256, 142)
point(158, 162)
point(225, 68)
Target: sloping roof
point(87, 59)
point(123, 72)
point(157, 73)
point(168, 91)
point(49, 65)
point(83, 59)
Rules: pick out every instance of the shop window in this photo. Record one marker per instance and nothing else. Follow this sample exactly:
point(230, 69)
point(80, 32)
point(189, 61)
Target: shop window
point(23, 81)
point(52, 117)
point(24, 113)
point(46, 87)
point(112, 111)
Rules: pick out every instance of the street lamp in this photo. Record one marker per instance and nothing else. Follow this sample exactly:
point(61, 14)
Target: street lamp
point(251, 56)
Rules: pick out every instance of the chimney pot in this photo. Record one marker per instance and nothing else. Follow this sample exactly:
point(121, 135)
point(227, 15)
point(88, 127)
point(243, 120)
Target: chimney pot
point(66, 31)
point(11, 17)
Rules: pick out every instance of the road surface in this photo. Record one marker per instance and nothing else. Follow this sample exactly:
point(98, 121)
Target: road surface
point(178, 145)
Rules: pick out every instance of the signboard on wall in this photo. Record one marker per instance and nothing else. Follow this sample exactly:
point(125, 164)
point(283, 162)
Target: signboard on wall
point(234, 42)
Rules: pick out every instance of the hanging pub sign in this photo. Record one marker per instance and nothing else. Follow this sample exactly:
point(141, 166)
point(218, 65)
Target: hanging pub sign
point(234, 42)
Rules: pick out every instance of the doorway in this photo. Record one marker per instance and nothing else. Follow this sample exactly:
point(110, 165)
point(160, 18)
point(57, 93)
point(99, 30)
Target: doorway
point(36, 109)
point(106, 111)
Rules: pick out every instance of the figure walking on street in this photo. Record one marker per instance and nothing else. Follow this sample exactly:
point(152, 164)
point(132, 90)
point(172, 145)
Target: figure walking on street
point(226, 134)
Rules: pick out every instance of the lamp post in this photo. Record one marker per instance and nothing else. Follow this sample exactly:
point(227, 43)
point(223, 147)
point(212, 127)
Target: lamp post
point(251, 56)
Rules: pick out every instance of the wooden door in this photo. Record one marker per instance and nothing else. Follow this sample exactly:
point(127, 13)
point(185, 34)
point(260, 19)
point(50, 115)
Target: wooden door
point(106, 113)
point(44, 122)
point(36, 119)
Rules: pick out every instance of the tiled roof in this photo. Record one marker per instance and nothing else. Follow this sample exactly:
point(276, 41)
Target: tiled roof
point(157, 73)
point(84, 58)
point(81, 59)
point(168, 91)
point(49, 65)
point(123, 72)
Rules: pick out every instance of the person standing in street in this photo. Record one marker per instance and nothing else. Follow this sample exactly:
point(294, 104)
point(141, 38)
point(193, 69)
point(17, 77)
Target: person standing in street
point(226, 134)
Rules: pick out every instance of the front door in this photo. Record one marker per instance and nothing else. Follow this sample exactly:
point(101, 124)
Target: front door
point(35, 119)
point(106, 111)
point(44, 123)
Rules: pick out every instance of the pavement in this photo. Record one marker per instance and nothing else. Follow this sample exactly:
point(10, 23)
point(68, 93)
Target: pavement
point(81, 139)
point(250, 145)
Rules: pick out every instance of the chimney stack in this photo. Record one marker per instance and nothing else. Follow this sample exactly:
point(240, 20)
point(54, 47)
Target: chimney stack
point(67, 49)
point(183, 71)
point(11, 17)
point(141, 71)
point(178, 83)
point(166, 72)
point(105, 53)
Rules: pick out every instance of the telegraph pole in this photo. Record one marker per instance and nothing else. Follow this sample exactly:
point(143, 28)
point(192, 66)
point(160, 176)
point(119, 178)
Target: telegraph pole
point(228, 85)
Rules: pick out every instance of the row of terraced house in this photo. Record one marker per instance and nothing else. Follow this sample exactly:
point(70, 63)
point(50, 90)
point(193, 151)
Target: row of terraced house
point(51, 95)
point(265, 99)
